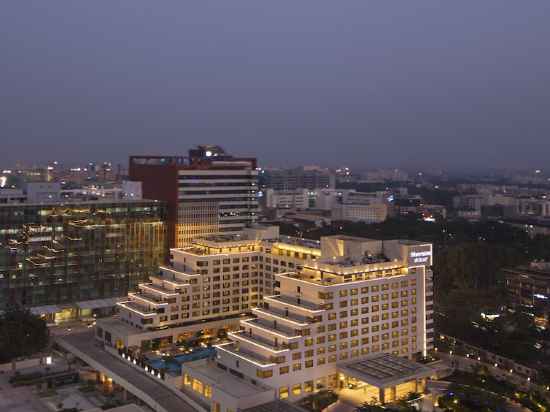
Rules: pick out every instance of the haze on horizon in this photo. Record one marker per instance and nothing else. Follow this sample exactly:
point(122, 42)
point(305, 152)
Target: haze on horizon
point(460, 85)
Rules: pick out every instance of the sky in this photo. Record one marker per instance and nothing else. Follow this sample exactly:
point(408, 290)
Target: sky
point(367, 83)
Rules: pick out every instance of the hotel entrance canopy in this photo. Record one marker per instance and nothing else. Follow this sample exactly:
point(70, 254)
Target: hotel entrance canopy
point(385, 370)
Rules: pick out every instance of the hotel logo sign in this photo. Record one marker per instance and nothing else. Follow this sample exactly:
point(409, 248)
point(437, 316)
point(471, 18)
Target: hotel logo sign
point(420, 257)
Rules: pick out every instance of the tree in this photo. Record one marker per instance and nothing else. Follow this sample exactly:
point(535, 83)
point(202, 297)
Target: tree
point(21, 334)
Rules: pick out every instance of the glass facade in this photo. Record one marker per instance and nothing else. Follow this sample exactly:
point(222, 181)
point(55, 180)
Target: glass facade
point(68, 252)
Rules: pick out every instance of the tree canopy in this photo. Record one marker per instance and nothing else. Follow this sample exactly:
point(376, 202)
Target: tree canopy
point(21, 334)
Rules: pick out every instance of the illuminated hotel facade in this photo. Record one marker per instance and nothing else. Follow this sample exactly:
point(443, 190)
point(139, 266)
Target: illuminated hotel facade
point(336, 313)
point(210, 284)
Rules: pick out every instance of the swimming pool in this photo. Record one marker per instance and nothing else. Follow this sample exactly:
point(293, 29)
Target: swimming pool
point(174, 364)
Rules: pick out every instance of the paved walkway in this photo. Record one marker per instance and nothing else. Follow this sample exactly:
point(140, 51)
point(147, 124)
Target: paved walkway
point(154, 393)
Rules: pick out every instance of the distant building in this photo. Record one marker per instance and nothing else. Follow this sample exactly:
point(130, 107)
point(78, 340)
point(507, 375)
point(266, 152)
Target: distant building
point(367, 213)
point(385, 175)
point(63, 260)
point(287, 199)
point(209, 192)
point(310, 178)
point(10, 196)
point(469, 214)
point(361, 207)
point(43, 192)
point(530, 286)
point(326, 199)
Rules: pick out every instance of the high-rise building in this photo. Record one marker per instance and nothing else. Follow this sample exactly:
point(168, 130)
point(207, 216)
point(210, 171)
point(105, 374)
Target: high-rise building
point(346, 313)
point(209, 192)
point(66, 259)
point(353, 321)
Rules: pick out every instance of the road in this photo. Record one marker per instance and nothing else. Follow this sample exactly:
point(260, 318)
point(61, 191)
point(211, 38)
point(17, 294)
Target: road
point(87, 348)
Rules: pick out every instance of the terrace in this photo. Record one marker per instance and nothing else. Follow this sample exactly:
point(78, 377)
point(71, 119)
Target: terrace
point(283, 316)
point(234, 350)
point(300, 305)
point(137, 308)
point(272, 327)
point(257, 340)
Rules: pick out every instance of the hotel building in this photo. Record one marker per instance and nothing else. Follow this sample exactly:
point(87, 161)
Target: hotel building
point(207, 285)
point(209, 192)
point(349, 315)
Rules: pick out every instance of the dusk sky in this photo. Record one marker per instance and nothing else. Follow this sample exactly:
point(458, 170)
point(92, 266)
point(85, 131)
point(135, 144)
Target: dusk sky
point(459, 84)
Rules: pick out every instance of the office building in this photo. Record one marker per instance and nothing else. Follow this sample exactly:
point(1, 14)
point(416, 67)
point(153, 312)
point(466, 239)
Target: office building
point(209, 192)
point(64, 260)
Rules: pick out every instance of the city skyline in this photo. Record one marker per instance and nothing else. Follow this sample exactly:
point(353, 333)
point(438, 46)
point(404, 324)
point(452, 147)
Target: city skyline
point(359, 85)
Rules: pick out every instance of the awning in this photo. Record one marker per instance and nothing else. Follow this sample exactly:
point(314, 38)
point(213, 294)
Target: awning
point(97, 303)
point(45, 310)
point(385, 370)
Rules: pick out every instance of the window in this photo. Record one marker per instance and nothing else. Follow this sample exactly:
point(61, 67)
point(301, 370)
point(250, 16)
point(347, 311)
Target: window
point(283, 370)
point(309, 363)
point(296, 389)
point(283, 392)
point(264, 374)
point(296, 366)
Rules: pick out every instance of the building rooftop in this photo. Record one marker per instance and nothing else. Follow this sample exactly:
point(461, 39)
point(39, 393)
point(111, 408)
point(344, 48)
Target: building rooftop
point(384, 370)
point(115, 325)
point(297, 241)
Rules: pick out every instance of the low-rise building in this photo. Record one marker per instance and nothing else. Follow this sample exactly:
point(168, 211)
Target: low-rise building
point(368, 213)
point(530, 285)
point(287, 199)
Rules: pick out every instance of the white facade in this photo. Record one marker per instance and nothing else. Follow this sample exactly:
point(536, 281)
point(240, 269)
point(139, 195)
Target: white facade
point(363, 297)
point(281, 199)
point(220, 276)
point(368, 213)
